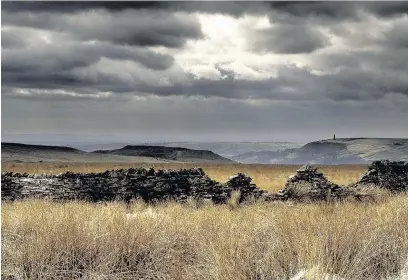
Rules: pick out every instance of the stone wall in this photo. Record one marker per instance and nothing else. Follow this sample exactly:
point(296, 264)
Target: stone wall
point(390, 175)
point(310, 184)
point(126, 184)
point(180, 185)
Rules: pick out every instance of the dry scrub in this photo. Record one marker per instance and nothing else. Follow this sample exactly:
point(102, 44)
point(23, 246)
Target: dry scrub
point(46, 240)
point(267, 177)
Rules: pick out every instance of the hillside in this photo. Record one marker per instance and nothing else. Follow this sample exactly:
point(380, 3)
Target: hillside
point(231, 149)
point(339, 151)
point(167, 153)
point(16, 152)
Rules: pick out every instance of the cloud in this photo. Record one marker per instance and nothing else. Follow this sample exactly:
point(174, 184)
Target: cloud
point(226, 65)
point(53, 65)
point(289, 39)
point(73, 6)
point(337, 10)
point(397, 36)
point(135, 28)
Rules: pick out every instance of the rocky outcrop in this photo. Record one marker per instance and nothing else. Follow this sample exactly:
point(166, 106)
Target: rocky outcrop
point(309, 184)
point(126, 184)
point(390, 175)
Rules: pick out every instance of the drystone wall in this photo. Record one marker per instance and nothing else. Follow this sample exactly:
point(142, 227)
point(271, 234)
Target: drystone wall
point(390, 175)
point(310, 184)
point(180, 185)
point(125, 184)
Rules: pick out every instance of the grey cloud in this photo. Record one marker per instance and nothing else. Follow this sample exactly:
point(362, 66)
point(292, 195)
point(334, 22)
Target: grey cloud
point(235, 8)
point(337, 10)
point(137, 28)
point(99, 70)
point(51, 66)
point(72, 55)
point(354, 82)
point(287, 38)
point(386, 8)
point(398, 36)
point(74, 6)
point(327, 9)
point(11, 40)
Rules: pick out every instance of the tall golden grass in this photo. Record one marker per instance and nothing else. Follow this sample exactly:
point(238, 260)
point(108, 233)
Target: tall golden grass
point(267, 177)
point(78, 240)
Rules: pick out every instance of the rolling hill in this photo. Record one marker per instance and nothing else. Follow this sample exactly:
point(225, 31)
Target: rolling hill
point(339, 151)
point(167, 153)
point(16, 152)
point(230, 149)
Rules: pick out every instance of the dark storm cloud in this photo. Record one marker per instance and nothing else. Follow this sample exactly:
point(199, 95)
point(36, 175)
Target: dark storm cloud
point(225, 7)
point(74, 6)
point(136, 28)
point(51, 66)
point(386, 8)
point(89, 32)
point(338, 10)
point(329, 9)
point(332, 10)
point(68, 56)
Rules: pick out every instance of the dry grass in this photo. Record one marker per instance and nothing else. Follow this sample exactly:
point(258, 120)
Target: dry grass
point(267, 177)
point(46, 240)
point(348, 240)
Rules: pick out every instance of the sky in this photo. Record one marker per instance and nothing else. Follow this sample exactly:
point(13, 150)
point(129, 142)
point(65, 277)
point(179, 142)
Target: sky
point(203, 71)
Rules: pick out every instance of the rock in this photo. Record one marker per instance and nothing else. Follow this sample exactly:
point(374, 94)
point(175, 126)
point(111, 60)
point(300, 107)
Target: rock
point(306, 168)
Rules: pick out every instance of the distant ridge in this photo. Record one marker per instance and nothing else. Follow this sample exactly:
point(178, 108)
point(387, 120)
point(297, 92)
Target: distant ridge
point(7, 146)
point(169, 153)
point(329, 151)
point(17, 152)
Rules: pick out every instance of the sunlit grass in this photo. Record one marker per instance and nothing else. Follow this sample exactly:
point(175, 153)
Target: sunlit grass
point(47, 240)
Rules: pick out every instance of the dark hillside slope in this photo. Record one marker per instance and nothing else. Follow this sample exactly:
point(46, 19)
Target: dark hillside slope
point(168, 153)
point(18, 147)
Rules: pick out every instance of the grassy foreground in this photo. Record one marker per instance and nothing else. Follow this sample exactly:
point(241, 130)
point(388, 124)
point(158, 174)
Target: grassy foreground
point(266, 176)
point(78, 240)
point(47, 240)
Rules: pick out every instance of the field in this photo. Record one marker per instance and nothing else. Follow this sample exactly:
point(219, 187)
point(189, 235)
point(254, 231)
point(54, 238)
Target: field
point(267, 177)
point(78, 240)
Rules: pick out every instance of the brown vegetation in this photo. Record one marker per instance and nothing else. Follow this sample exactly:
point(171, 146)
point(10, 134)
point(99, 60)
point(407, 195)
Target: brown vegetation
point(344, 240)
point(46, 240)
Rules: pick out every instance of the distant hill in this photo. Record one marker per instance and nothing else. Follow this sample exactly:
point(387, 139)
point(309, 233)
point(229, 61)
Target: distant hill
point(339, 151)
point(167, 153)
point(231, 149)
point(16, 152)
point(28, 148)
